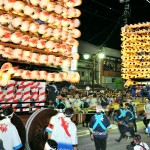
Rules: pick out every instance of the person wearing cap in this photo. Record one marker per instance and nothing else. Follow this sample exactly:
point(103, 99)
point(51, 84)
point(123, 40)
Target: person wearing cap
point(64, 131)
point(119, 116)
point(133, 109)
point(127, 123)
point(54, 90)
point(52, 129)
point(9, 112)
point(137, 144)
point(9, 134)
point(83, 105)
point(146, 118)
point(98, 128)
point(50, 145)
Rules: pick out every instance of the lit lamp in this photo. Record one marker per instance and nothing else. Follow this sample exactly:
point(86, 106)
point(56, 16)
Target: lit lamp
point(86, 56)
point(100, 55)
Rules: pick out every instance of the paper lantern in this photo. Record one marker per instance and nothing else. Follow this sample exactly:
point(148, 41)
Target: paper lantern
point(50, 6)
point(44, 16)
point(17, 53)
point(35, 58)
point(43, 3)
point(16, 37)
point(25, 40)
point(8, 5)
point(58, 77)
point(25, 26)
point(8, 52)
point(33, 41)
point(48, 33)
point(50, 77)
point(18, 73)
point(34, 26)
point(26, 74)
point(19, 6)
point(26, 56)
point(42, 29)
point(58, 9)
point(6, 36)
point(75, 56)
point(28, 9)
point(6, 66)
point(34, 2)
point(5, 19)
point(35, 74)
point(36, 13)
point(43, 59)
point(43, 75)
point(58, 61)
point(5, 77)
point(51, 59)
point(41, 43)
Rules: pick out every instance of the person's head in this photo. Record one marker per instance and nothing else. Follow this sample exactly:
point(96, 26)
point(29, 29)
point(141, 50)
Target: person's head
point(137, 138)
point(121, 105)
point(127, 106)
point(69, 112)
point(77, 96)
point(99, 108)
point(147, 100)
point(129, 100)
point(84, 98)
point(8, 112)
point(60, 107)
point(50, 145)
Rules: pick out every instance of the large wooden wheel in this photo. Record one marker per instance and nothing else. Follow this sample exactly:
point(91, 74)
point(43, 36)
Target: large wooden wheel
point(35, 128)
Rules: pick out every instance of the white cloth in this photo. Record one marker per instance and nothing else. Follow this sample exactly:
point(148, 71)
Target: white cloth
point(138, 147)
point(59, 134)
point(47, 147)
point(68, 103)
point(147, 111)
point(9, 135)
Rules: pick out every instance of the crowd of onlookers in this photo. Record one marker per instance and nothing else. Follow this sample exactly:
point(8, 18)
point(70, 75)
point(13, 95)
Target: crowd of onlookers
point(94, 105)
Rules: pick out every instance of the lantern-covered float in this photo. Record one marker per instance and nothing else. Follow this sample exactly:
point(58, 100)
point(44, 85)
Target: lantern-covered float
point(135, 60)
point(38, 44)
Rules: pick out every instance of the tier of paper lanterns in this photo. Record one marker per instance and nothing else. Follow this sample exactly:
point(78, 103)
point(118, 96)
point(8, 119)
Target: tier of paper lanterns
point(7, 70)
point(135, 52)
point(40, 32)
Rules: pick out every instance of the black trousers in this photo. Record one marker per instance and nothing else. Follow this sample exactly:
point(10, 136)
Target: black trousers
point(87, 119)
point(100, 144)
point(124, 130)
point(135, 126)
point(146, 121)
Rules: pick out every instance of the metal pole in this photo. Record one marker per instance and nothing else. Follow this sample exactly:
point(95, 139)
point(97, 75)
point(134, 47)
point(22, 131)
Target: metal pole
point(93, 72)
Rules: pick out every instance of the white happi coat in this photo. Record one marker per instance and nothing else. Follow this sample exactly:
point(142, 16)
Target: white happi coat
point(9, 135)
point(138, 147)
point(58, 133)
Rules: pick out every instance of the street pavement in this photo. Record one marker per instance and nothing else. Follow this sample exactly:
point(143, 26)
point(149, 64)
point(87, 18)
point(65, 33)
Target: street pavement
point(85, 142)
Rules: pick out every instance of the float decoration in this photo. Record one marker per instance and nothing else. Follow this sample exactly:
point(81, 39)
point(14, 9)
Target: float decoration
point(135, 53)
point(41, 33)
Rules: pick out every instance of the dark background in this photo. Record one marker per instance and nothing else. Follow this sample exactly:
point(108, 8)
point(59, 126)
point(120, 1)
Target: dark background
point(101, 20)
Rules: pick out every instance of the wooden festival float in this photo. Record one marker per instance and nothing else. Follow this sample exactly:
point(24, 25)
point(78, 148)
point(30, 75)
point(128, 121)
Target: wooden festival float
point(38, 44)
point(136, 56)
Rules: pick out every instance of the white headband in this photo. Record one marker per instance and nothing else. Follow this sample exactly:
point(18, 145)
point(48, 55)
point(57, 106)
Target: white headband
point(48, 147)
point(9, 116)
